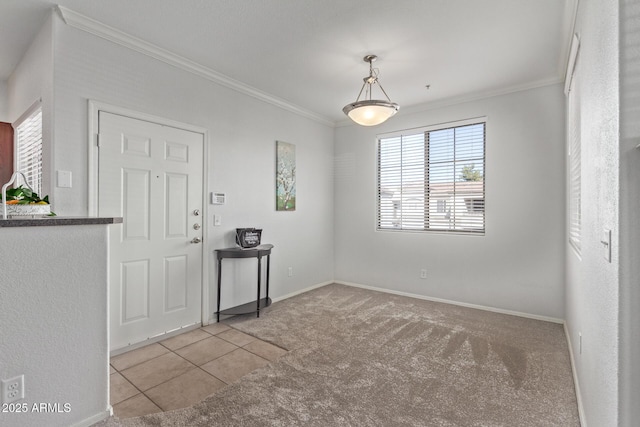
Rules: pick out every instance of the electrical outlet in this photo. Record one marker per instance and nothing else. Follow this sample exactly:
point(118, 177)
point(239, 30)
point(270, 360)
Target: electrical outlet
point(423, 273)
point(13, 389)
point(290, 272)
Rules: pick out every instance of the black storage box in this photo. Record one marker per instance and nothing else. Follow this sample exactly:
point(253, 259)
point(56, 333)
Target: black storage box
point(248, 237)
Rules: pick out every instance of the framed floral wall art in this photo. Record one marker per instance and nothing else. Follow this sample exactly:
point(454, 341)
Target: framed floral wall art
point(285, 176)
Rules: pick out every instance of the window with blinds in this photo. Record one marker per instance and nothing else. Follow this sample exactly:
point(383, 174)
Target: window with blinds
point(432, 179)
point(575, 174)
point(28, 137)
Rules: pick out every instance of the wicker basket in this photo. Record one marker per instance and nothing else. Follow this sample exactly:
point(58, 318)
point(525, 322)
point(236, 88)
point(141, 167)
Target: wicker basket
point(27, 210)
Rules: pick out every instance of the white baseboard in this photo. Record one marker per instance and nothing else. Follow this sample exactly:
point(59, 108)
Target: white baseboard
point(462, 304)
point(423, 297)
point(212, 319)
point(576, 383)
point(301, 291)
point(94, 419)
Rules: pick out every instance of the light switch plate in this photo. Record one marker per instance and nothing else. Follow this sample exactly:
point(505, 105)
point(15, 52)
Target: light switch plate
point(217, 220)
point(64, 179)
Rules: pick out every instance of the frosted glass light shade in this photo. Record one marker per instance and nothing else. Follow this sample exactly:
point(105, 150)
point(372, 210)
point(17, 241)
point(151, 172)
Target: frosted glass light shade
point(370, 112)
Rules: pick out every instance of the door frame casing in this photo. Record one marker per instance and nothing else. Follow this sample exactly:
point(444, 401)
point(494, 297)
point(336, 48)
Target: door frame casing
point(94, 108)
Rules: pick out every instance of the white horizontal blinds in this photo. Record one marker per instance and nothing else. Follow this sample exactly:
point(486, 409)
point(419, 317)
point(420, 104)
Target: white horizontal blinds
point(401, 183)
point(575, 178)
point(413, 183)
point(456, 178)
point(29, 149)
point(432, 180)
point(390, 183)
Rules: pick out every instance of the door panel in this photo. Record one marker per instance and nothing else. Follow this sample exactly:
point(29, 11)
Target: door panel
point(135, 290)
point(175, 281)
point(176, 152)
point(136, 200)
point(177, 205)
point(151, 175)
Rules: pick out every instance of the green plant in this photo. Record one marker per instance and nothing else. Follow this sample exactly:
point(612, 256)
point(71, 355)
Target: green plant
point(25, 196)
point(469, 173)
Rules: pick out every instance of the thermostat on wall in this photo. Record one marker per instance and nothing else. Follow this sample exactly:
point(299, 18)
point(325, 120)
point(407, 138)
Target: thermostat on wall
point(218, 198)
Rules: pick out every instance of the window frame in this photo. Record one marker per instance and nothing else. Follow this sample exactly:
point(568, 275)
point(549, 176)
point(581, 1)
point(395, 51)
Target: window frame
point(574, 166)
point(573, 137)
point(424, 129)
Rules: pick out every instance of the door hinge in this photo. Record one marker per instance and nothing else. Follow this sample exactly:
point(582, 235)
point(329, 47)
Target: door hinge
point(98, 139)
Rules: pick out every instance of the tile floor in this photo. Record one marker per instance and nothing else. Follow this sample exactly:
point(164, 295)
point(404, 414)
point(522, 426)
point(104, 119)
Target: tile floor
point(184, 369)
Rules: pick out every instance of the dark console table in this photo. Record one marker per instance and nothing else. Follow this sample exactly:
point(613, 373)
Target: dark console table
point(257, 252)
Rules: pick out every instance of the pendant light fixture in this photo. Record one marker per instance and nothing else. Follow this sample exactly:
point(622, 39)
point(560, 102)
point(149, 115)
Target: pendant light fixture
point(370, 112)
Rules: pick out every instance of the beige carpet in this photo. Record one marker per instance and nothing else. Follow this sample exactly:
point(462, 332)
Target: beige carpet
point(364, 358)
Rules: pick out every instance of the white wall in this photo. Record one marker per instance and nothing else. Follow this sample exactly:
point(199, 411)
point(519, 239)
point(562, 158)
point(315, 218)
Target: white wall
point(54, 322)
point(629, 209)
point(32, 80)
point(518, 264)
point(242, 133)
point(592, 294)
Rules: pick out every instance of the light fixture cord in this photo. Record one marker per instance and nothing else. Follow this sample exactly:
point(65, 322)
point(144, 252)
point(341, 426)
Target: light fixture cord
point(371, 80)
point(377, 72)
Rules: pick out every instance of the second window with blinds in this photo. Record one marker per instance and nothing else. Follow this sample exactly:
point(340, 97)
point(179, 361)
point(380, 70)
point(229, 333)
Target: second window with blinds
point(433, 178)
point(28, 147)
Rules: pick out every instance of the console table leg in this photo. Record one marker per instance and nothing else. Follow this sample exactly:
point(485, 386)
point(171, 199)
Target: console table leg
point(219, 286)
point(259, 276)
point(268, 264)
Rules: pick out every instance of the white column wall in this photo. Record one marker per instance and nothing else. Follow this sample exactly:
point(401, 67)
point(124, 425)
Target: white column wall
point(629, 213)
point(592, 289)
point(54, 323)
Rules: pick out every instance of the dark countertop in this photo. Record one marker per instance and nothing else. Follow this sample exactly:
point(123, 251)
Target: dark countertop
point(56, 221)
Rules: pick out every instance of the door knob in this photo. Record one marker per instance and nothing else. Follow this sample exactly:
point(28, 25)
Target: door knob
point(196, 212)
point(196, 240)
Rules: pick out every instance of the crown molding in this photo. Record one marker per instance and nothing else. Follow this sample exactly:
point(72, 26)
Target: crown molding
point(568, 31)
point(121, 38)
point(573, 57)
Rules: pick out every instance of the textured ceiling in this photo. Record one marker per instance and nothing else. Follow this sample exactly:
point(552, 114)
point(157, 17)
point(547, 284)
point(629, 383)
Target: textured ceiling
point(309, 52)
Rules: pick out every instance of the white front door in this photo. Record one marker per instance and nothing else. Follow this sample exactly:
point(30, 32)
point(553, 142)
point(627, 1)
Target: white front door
point(151, 175)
